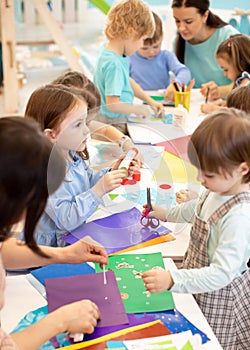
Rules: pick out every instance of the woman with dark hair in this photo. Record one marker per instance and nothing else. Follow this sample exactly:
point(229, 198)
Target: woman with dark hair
point(31, 169)
point(200, 32)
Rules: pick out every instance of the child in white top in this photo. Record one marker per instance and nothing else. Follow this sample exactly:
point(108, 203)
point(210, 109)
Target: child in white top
point(215, 265)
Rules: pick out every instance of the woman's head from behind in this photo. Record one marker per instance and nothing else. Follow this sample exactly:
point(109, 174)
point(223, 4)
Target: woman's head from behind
point(31, 169)
point(61, 112)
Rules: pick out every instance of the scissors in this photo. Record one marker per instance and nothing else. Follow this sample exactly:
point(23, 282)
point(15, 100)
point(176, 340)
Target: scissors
point(145, 220)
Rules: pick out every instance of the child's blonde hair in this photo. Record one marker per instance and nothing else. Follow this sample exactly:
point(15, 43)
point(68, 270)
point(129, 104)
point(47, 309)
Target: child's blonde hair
point(236, 50)
point(221, 142)
point(129, 17)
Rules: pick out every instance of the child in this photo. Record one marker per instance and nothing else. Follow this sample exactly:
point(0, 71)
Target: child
point(240, 98)
point(233, 56)
point(129, 22)
point(62, 114)
point(79, 81)
point(25, 156)
point(150, 65)
point(215, 265)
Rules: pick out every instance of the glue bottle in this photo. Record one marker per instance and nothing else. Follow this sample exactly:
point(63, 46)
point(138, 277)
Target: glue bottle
point(180, 116)
point(128, 159)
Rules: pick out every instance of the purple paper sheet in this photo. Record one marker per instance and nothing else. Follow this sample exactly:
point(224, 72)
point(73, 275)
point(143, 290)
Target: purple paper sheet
point(117, 232)
point(65, 290)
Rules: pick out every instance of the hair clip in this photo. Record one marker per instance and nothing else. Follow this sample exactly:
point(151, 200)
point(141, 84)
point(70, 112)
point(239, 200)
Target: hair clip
point(229, 44)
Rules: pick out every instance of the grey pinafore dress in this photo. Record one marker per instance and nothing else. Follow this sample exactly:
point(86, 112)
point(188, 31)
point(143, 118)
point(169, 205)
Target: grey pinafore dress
point(227, 309)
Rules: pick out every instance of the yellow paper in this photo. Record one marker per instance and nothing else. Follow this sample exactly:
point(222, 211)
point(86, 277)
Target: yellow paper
point(173, 169)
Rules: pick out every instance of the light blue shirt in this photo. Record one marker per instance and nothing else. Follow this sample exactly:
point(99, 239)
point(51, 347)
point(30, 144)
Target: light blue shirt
point(228, 246)
point(201, 58)
point(112, 79)
point(153, 74)
point(71, 205)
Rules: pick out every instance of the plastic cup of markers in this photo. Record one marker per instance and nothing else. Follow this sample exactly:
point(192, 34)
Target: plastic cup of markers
point(182, 98)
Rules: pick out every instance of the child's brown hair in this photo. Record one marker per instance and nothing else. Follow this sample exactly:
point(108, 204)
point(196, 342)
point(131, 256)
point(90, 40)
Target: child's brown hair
point(240, 98)
point(158, 34)
point(236, 50)
point(129, 17)
point(50, 104)
point(221, 142)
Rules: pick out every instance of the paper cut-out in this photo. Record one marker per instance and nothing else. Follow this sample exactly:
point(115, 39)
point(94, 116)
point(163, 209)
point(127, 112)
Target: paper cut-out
point(117, 232)
point(65, 290)
point(128, 269)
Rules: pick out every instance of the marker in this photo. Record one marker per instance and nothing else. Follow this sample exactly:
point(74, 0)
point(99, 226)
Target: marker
point(207, 95)
point(176, 86)
point(191, 85)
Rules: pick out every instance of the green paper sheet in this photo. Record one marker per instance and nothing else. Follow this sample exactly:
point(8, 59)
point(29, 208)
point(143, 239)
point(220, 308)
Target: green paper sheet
point(127, 269)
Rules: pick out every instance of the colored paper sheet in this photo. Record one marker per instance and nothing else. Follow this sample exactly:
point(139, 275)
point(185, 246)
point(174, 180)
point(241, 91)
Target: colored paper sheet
point(157, 197)
point(117, 232)
point(128, 269)
point(65, 290)
point(61, 270)
point(177, 146)
point(180, 341)
point(152, 329)
point(173, 169)
point(176, 323)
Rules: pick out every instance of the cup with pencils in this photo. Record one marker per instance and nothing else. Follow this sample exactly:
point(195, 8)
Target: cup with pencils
point(182, 94)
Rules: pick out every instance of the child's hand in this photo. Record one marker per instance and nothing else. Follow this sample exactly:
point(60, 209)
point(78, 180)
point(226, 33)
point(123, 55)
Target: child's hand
point(169, 93)
point(214, 92)
point(78, 317)
point(157, 280)
point(209, 107)
point(157, 212)
point(185, 195)
point(142, 111)
point(157, 107)
point(109, 182)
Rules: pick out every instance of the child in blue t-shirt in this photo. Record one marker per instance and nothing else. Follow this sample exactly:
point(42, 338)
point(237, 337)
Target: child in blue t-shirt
point(150, 66)
point(129, 23)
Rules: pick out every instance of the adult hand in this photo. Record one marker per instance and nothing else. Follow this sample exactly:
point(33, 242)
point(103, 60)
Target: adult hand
point(82, 251)
point(157, 280)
